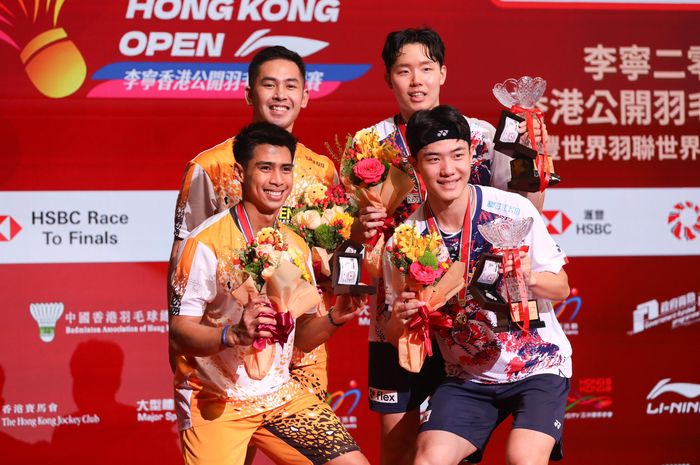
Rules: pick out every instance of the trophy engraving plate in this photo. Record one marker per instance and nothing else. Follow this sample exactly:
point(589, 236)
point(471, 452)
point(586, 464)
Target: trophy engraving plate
point(346, 267)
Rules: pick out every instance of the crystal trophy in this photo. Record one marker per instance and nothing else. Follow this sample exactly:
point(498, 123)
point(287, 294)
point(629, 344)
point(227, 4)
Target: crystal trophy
point(505, 234)
point(531, 169)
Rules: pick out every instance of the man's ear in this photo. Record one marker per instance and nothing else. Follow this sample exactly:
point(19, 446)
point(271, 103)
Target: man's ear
point(248, 98)
point(238, 171)
point(387, 79)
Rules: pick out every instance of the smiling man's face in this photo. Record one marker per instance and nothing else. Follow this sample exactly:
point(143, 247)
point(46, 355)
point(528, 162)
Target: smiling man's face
point(278, 93)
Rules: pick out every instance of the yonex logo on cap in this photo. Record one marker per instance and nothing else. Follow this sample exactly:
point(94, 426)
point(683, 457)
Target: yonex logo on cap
point(442, 133)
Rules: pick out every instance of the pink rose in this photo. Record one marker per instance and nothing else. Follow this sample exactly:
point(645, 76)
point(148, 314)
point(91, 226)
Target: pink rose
point(369, 170)
point(422, 274)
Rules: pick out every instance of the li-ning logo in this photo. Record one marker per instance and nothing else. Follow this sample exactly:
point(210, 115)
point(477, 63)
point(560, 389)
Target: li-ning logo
point(442, 133)
point(684, 220)
point(302, 45)
point(687, 390)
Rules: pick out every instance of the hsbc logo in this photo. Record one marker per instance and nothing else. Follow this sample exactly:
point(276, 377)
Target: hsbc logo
point(9, 228)
point(556, 220)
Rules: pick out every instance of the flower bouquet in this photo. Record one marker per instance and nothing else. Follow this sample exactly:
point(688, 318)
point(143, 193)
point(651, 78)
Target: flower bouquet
point(370, 170)
point(268, 266)
point(421, 264)
point(323, 217)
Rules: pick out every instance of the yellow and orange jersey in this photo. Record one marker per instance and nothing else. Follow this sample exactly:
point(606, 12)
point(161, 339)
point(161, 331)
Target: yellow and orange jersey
point(202, 283)
point(210, 185)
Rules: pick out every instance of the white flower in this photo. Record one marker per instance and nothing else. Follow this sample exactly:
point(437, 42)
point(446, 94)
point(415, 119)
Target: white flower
point(309, 219)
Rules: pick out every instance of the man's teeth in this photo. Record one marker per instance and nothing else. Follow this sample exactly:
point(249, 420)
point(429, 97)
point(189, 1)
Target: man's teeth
point(274, 193)
point(277, 108)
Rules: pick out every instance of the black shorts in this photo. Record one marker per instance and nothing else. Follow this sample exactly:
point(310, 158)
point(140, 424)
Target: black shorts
point(395, 390)
point(472, 410)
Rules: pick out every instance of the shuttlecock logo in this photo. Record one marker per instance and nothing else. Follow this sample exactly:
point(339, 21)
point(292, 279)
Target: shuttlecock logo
point(52, 61)
point(46, 316)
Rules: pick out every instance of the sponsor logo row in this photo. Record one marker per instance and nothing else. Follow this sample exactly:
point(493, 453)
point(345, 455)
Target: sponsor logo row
point(136, 226)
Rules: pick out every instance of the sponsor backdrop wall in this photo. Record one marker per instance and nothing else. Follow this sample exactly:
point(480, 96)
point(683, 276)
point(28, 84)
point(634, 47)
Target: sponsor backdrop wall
point(103, 102)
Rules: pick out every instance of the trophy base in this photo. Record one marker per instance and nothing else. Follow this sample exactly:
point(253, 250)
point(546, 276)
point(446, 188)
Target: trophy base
point(517, 326)
point(525, 176)
point(507, 138)
point(357, 289)
point(504, 320)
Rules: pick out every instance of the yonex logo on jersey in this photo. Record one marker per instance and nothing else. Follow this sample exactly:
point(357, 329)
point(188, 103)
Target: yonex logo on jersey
point(385, 397)
point(557, 424)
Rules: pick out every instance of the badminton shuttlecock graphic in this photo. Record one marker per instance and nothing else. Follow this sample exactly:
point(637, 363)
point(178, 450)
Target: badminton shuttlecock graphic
point(52, 61)
point(46, 316)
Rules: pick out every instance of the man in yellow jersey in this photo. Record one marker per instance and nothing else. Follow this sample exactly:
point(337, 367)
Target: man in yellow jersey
point(220, 408)
point(277, 94)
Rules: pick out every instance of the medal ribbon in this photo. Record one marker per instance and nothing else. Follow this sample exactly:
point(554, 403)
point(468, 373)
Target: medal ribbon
point(465, 241)
point(417, 179)
point(243, 222)
point(542, 159)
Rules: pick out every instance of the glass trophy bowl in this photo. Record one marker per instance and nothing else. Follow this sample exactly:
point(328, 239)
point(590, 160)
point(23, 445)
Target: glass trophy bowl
point(504, 234)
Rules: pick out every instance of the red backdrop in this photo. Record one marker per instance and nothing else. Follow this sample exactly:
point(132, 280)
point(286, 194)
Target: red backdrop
point(95, 136)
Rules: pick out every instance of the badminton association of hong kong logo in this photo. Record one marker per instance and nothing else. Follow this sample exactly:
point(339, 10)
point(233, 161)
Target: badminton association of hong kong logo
point(684, 220)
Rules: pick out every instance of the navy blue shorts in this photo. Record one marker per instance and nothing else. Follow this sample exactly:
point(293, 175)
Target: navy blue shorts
point(472, 410)
point(395, 390)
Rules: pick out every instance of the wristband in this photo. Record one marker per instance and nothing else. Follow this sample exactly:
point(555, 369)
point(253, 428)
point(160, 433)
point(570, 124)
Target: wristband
point(330, 318)
point(224, 333)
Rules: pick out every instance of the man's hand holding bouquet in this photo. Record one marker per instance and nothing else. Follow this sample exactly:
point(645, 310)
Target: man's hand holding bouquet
point(272, 283)
point(421, 268)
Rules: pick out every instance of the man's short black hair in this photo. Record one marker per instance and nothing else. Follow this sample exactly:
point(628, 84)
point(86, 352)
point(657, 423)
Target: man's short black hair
point(434, 47)
point(258, 134)
point(428, 126)
point(274, 53)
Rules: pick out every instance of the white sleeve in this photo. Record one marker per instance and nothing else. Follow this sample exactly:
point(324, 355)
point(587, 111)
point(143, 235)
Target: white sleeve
point(196, 201)
point(200, 287)
point(545, 254)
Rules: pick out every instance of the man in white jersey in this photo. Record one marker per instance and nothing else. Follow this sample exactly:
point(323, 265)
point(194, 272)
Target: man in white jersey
point(490, 376)
point(414, 60)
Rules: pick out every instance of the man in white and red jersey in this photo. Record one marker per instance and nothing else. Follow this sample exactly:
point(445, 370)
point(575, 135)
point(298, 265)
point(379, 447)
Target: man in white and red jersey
point(414, 60)
point(490, 375)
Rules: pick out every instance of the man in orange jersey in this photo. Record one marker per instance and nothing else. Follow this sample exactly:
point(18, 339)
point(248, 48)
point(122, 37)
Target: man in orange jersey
point(220, 408)
point(277, 94)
